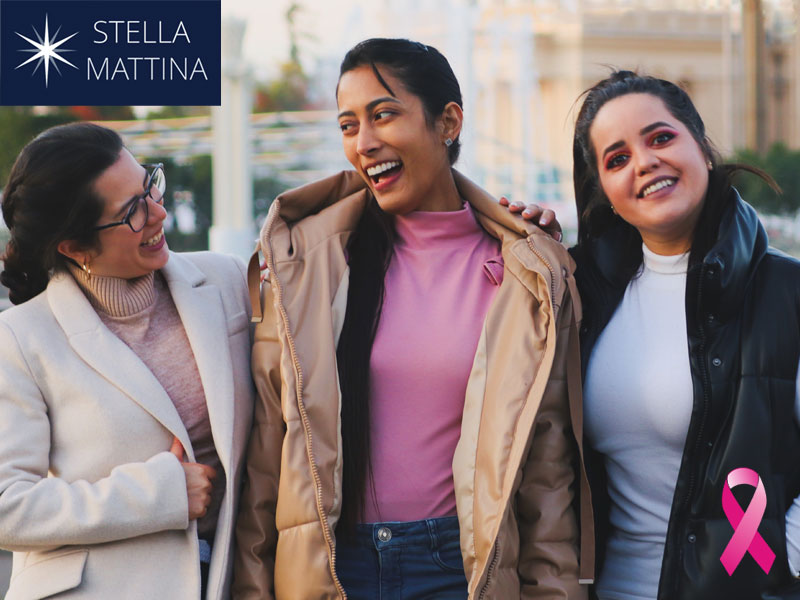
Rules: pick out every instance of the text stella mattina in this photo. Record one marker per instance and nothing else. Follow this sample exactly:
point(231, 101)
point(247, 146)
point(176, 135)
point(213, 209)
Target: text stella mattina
point(132, 68)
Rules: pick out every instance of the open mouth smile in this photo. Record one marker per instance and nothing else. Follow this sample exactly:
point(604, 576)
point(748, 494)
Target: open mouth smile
point(153, 240)
point(656, 186)
point(384, 172)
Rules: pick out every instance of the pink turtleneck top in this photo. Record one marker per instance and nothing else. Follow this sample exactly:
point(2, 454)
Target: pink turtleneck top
point(442, 277)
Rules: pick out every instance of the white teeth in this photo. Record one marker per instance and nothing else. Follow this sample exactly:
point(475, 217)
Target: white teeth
point(153, 240)
point(658, 186)
point(383, 167)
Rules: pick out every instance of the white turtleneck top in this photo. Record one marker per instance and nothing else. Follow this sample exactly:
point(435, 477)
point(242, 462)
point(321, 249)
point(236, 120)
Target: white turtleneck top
point(638, 401)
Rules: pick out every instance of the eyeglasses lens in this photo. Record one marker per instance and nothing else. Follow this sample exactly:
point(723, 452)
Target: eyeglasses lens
point(158, 185)
point(155, 190)
point(138, 216)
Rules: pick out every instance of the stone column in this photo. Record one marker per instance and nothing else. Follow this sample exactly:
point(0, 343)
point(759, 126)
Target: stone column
point(755, 74)
point(232, 230)
point(461, 31)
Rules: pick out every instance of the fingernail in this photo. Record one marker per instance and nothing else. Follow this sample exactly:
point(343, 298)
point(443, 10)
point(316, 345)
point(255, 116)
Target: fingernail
point(542, 221)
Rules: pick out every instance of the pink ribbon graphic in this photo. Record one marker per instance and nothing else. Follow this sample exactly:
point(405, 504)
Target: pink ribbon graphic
point(745, 523)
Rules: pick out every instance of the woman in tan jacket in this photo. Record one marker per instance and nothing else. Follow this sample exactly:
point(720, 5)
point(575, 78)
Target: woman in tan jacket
point(400, 448)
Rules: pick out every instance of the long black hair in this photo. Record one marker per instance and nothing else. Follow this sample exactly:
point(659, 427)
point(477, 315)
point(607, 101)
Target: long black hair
point(49, 198)
point(595, 216)
point(424, 72)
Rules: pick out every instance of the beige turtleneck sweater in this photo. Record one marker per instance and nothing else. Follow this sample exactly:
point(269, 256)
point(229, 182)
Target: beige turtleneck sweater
point(142, 314)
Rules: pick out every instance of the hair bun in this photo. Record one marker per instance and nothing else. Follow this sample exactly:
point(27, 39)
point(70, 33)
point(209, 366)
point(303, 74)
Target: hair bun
point(22, 282)
point(17, 284)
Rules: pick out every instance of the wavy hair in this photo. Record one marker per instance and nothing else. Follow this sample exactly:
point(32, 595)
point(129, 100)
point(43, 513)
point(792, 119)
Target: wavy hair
point(48, 198)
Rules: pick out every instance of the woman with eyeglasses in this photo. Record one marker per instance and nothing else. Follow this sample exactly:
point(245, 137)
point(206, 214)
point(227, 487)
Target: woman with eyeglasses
point(125, 395)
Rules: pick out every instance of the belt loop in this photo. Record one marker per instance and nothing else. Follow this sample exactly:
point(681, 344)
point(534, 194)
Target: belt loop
point(375, 539)
point(433, 532)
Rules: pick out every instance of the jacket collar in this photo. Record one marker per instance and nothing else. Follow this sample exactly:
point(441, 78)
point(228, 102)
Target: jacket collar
point(727, 268)
point(731, 263)
point(200, 307)
point(314, 197)
point(201, 312)
point(334, 205)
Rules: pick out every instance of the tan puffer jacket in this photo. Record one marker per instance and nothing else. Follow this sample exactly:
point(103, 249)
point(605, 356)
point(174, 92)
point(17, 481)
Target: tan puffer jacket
point(517, 464)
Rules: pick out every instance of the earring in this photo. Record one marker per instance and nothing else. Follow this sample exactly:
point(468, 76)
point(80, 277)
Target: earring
point(710, 165)
point(87, 269)
point(448, 142)
point(613, 208)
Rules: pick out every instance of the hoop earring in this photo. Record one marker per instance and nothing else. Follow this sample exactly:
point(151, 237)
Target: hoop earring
point(87, 269)
point(448, 142)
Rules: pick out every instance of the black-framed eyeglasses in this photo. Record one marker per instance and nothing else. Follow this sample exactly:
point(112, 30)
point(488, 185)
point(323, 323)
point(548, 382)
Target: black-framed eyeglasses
point(155, 184)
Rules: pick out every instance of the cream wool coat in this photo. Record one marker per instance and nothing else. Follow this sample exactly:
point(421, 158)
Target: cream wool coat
point(517, 467)
point(91, 501)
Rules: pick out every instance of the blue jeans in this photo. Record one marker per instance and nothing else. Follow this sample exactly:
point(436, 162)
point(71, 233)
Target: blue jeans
point(403, 561)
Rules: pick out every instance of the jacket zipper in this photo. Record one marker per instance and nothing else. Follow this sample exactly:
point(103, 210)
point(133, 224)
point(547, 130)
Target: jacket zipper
point(492, 565)
point(706, 385)
point(704, 413)
point(303, 414)
point(495, 551)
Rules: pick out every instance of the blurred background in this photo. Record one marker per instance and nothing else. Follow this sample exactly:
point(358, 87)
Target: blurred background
point(522, 64)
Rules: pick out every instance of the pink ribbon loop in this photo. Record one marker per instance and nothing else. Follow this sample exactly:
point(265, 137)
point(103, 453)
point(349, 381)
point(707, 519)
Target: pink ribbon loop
point(745, 522)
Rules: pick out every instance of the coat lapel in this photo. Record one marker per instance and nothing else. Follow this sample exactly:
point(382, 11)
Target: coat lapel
point(202, 312)
point(110, 356)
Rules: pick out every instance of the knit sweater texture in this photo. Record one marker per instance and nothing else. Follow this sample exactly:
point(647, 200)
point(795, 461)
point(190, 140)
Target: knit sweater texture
point(141, 313)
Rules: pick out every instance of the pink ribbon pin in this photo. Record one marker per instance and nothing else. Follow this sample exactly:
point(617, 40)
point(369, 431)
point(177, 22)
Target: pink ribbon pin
point(745, 523)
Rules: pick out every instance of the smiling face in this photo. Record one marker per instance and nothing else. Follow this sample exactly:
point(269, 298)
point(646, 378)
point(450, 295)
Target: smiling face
point(123, 253)
point(651, 169)
point(389, 141)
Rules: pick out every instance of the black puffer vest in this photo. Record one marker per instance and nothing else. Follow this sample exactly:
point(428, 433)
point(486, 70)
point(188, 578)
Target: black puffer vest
point(743, 325)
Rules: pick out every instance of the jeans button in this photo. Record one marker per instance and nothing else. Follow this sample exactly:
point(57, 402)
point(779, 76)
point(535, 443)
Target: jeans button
point(716, 361)
point(384, 534)
point(692, 538)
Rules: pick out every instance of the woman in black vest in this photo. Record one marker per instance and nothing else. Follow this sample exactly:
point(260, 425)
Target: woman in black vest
point(690, 347)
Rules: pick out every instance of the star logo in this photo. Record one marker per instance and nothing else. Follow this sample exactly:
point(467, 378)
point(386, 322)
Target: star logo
point(46, 50)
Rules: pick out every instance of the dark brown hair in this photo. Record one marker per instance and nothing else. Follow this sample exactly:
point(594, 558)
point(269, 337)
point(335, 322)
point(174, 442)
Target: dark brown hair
point(425, 73)
point(594, 210)
point(49, 198)
point(422, 69)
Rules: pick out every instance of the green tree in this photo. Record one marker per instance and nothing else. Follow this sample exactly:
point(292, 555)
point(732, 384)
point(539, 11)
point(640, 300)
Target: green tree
point(290, 90)
point(101, 113)
point(194, 177)
point(18, 126)
point(782, 164)
point(265, 190)
point(177, 112)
